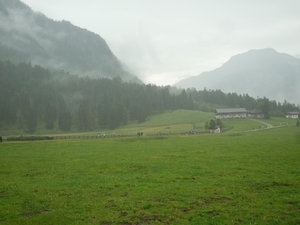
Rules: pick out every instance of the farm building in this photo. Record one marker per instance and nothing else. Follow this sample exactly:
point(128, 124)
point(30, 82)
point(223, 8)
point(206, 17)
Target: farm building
point(292, 115)
point(238, 113)
point(231, 113)
point(217, 130)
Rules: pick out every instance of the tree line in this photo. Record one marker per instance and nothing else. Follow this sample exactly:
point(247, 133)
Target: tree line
point(208, 100)
point(32, 95)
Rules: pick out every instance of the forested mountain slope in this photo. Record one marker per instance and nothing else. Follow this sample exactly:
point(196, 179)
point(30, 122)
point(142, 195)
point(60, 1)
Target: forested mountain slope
point(28, 36)
point(263, 73)
point(31, 95)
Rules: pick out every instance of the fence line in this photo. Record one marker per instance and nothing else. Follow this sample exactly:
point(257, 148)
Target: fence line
point(78, 137)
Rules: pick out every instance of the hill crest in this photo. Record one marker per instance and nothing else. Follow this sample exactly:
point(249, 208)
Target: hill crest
point(262, 73)
point(26, 35)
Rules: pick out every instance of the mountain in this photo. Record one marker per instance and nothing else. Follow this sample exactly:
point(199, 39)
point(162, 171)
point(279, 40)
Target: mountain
point(26, 35)
point(262, 73)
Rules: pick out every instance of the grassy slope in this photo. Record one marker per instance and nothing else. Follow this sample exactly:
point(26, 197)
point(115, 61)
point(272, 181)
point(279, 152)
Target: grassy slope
point(177, 121)
point(171, 121)
point(233, 178)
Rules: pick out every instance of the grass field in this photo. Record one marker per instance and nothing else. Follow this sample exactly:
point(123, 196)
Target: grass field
point(175, 122)
point(230, 178)
point(170, 121)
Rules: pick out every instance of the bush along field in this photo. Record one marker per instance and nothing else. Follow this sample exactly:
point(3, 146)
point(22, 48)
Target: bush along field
point(229, 178)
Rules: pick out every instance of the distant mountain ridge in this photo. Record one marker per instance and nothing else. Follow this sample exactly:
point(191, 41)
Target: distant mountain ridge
point(26, 35)
point(262, 73)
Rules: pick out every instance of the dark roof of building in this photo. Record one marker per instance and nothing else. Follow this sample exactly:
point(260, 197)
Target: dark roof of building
point(232, 110)
point(255, 111)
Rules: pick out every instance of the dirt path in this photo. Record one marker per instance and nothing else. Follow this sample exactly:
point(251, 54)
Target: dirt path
point(269, 126)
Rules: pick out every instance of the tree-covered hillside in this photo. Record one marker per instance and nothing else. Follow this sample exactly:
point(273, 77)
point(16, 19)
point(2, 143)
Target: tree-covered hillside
point(234, 100)
point(28, 36)
point(31, 95)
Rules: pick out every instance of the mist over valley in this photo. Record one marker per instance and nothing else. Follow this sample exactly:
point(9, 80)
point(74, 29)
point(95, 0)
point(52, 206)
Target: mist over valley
point(28, 36)
point(62, 78)
point(93, 129)
point(259, 73)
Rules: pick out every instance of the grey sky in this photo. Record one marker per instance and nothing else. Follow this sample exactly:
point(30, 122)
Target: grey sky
point(164, 41)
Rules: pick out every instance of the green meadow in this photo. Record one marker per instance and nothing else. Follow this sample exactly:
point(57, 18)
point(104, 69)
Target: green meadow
point(234, 177)
point(174, 122)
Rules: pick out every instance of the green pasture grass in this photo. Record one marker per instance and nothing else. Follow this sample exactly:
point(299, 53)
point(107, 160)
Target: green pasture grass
point(179, 117)
point(230, 178)
point(177, 121)
point(180, 121)
point(148, 130)
point(247, 124)
point(171, 121)
point(237, 125)
point(280, 121)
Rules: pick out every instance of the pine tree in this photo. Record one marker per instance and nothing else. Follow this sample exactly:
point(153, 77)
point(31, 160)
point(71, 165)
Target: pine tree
point(263, 105)
point(83, 117)
point(103, 115)
point(49, 116)
point(64, 120)
point(31, 121)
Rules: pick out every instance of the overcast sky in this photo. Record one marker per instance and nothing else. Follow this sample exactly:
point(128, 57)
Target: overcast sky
point(165, 41)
